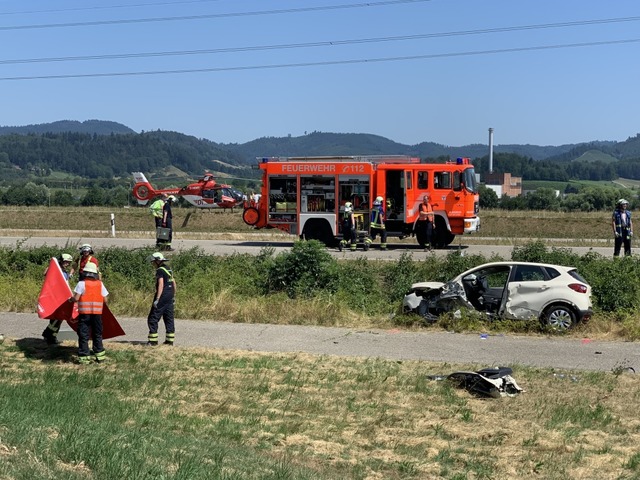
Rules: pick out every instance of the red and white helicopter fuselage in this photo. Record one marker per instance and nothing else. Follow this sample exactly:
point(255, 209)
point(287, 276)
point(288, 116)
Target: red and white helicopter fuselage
point(205, 193)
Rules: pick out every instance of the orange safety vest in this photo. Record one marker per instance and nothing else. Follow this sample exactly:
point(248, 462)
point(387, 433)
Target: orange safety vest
point(91, 300)
point(426, 212)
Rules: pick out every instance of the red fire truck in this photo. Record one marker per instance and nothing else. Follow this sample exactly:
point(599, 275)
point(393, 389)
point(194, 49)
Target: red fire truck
point(305, 196)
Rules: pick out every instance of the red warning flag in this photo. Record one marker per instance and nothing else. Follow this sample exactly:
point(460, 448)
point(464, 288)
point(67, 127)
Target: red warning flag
point(53, 301)
point(54, 304)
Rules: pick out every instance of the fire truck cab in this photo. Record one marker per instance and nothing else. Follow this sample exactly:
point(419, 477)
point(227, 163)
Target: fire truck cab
point(305, 196)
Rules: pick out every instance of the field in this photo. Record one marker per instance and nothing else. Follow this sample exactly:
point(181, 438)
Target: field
point(209, 414)
point(497, 225)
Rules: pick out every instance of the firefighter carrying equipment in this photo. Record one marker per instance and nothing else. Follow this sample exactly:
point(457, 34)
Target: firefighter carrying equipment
point(156, 208)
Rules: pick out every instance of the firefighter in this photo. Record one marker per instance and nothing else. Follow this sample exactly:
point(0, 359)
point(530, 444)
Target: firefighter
point(156, 209)
point(425, 225)
point(50, 333)
point(167, 222)
point(163, 301)
point(377, 225)
point(348, 228)
point(91, 296)
point(86, 256)
point(622, 228)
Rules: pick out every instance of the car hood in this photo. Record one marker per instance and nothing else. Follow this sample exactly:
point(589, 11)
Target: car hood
point(426, 286)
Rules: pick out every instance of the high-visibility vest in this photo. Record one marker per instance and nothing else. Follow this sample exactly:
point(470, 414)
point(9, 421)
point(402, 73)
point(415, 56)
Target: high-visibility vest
point(377, 218)
point(622, 226)
point(156, 208)
point(426, 212)
point(168, 287)
point(91, 300)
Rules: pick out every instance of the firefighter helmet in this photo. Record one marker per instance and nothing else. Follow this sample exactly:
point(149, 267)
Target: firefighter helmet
point(86, 248)
point(378, 201)
point(90, 267)
point(156, 257)
point(65, 257)
point(348, 207)
point(622, 201)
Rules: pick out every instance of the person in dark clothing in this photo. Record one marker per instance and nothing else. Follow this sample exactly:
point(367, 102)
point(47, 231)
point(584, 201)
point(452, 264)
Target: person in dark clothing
point(377, 224)
point(163, 303)
point(622, 228)
point(167, 222)
point(348, 229)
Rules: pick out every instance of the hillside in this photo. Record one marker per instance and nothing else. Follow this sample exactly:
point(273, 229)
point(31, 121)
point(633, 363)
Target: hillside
point(100, 149)
point(98, 127)
point(108, 156)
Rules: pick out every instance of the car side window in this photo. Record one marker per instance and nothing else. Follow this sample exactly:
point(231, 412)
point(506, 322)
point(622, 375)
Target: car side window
point(552, 272)
point(528, 273)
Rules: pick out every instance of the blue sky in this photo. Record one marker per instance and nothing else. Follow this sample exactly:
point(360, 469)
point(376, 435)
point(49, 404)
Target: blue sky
point(531, 89)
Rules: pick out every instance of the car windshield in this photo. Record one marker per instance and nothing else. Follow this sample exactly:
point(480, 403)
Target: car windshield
point(469, 179)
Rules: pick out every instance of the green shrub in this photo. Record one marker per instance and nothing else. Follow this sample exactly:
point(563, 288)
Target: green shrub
point(358, 284)
point(303, 271)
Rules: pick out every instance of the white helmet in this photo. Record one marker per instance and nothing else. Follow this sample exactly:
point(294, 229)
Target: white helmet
point(90, 267)
point(348, 207)
point(65, 257)
point(156, 257)
point(86, 248)
point(378, 201)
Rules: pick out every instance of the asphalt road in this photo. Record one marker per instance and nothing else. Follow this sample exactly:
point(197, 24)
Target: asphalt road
point(231, 243)
point(484, 350)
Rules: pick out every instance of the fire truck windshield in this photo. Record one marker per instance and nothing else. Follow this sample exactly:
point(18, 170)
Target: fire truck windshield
point(469, 179)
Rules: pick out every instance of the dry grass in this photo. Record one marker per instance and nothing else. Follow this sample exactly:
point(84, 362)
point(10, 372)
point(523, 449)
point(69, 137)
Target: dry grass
point(375, 419)
point(498, 227)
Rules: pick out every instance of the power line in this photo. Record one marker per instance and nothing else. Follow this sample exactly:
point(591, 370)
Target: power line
point(107, 7)
point(209, 16)
point(326, 43)
point(325, 63)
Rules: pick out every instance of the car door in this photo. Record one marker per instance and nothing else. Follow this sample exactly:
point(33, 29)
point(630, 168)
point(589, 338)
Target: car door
point(527, 286)
point(494, 292)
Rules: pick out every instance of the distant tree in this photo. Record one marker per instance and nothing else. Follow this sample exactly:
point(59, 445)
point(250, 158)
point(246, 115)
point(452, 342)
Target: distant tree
point(488, 197)
point(36, 194)
point(513, 203)
point(62, 198)
point(543, 199)
point(15, 195)
point(94, 197)
point(117, 196)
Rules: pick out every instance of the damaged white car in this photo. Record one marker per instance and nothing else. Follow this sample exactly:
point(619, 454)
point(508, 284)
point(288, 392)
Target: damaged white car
point(557, 296)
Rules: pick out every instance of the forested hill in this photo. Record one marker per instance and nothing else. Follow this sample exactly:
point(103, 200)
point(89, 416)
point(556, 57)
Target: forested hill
point(99, 149)
point(108, 156)
point(97, 127)
point(324, 143)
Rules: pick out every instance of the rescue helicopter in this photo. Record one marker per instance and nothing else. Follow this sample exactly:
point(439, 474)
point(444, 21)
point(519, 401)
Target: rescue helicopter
point(205, 193)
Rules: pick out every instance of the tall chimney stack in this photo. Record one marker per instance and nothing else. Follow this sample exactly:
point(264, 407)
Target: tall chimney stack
point(491, 150)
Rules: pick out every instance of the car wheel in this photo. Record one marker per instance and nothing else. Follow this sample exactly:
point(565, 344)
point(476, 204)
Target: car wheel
point(559, 317)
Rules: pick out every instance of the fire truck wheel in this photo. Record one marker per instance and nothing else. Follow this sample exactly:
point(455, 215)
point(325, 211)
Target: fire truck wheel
point(319, 229)
point(442, 236)
point(251, 216)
